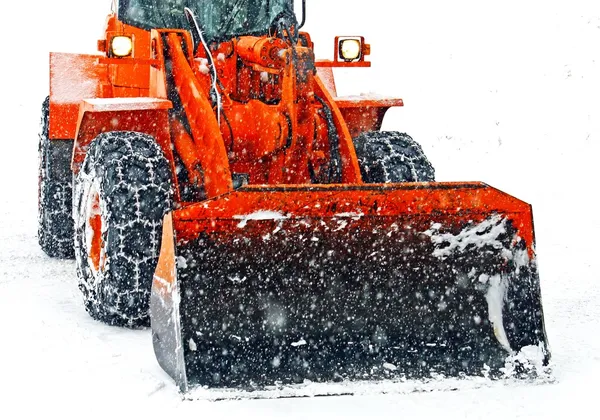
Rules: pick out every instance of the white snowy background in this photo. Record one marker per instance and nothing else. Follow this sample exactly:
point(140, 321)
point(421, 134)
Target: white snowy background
point(506, 92)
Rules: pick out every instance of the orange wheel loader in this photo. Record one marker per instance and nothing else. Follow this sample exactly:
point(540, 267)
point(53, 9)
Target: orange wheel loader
point(267, 229)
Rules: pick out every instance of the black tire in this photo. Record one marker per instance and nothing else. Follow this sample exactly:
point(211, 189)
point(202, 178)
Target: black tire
point(55, 221)
point(124, 185)
point(389, 156)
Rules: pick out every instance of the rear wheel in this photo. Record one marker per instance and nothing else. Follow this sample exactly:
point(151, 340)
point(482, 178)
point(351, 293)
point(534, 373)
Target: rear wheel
point(122, 192)
point(389, 156)
point(55, 222)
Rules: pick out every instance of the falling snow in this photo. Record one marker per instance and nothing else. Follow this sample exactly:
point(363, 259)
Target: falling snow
point(505, 94)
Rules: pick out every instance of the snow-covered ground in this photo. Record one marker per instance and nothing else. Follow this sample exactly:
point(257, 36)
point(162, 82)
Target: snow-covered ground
point(504, 92)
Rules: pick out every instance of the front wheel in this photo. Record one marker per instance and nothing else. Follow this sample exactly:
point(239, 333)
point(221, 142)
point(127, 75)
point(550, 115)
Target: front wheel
point(122, 192)
point(389, 156)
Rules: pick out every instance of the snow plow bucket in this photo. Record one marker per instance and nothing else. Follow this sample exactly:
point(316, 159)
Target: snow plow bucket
point(285, 285)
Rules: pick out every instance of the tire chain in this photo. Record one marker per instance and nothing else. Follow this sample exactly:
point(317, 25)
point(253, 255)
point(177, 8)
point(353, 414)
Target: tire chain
point(133, 179)
point(392, 157)
point(55, 223)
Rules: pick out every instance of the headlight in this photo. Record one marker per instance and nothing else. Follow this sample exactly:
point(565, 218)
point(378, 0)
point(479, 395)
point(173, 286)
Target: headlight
point(350, 49)
point(121, 46)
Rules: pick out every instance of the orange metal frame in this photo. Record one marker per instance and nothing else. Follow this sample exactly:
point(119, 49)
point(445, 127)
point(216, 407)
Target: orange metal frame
point(74, 77)
point(272, 124)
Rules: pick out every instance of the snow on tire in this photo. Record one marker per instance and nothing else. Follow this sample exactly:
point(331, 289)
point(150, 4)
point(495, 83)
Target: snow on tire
point(55, 223)
point(122, 192)
point(389, 156)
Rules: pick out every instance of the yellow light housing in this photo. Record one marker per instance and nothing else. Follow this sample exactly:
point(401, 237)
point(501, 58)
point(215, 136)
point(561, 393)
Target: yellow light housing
point(350, 49)
point(121, 46)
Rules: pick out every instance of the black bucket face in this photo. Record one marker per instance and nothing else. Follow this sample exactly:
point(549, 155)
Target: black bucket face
point(286, 301)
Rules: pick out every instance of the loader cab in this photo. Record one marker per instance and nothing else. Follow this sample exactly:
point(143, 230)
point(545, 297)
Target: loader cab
point(219, 20)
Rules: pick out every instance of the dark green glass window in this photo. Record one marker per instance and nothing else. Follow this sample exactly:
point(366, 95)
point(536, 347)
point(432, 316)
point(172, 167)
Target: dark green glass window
point(219, 19)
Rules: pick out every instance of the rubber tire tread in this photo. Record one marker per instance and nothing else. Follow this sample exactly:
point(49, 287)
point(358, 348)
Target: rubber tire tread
point(134, 184)
point(55, 221)
point(390, 156)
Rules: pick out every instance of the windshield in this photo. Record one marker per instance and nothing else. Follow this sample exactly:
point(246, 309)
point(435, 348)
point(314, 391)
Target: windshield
point(218, 19)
